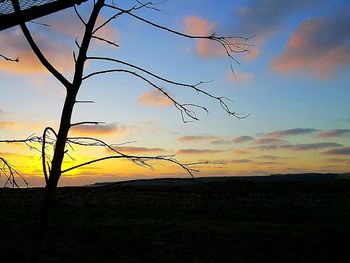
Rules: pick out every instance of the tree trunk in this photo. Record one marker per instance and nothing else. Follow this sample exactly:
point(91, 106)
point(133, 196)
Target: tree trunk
point(65, 125)
point(55, 173)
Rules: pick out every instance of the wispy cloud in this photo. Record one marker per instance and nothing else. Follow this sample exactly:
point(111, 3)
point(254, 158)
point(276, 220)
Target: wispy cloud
point(154, 98)
point(241, 161)
point(241, 151)
point(242, 139)
point(269, 141)
point(7, 124)
point(269, 157)
point(337, 160)
point(337, 151)
point(106, 129)
point(334, 133)
point(221, 141)
point(139, 150)
point(319, 45)
point(310, 146)
point(198, 151)
point(196, 138)
point(291, 132)
point(297, 147)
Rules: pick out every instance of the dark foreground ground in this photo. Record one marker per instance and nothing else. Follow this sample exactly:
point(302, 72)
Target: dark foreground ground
point(228, 220)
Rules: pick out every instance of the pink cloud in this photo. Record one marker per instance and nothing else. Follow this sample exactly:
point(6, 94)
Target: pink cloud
point(16, 46)
point(240, 77)
point(154, 98)
point(200, 27)
point(319, 46)
point(107, 129)
point(334, 133)
point(55, 42)
point(7, 124)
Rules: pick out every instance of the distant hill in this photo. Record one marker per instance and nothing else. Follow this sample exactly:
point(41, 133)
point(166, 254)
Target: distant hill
point(302, 177)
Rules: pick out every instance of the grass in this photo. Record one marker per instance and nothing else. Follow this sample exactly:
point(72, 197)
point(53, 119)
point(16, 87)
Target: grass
point(226, 221)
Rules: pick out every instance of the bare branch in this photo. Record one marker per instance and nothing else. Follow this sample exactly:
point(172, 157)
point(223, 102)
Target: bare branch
point(87, 122)
point(146, 5)
point(9, 59)
point(106, 41)
point(183, 108)
point(195, 87)
point(79, 16)
point(212, 37)
point(10, 173)
point(140, 160)
point(84, 101)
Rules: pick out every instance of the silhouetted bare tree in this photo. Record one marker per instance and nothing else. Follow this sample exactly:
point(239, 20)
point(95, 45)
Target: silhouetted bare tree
point(60, 141)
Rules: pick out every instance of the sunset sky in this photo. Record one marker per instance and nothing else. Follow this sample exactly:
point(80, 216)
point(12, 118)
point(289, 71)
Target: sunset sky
point(294, 83)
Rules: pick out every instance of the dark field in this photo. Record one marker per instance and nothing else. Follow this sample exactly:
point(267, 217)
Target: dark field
point(228, 220)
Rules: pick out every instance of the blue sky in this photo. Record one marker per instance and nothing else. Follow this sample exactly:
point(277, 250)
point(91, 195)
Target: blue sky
point(294, 83)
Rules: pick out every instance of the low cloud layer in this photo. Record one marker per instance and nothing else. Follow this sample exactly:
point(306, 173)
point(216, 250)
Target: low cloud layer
point(196, 138)
point(297, 147)
point(198, 151)
point(338, 151)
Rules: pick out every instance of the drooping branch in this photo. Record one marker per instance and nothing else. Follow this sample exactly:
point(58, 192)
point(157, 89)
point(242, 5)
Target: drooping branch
point(222, 100)
point(10, 173)
point(139, 160)
point(183, 108)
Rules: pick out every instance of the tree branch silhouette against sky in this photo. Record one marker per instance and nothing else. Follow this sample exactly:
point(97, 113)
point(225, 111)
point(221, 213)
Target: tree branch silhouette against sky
point(294, 82)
